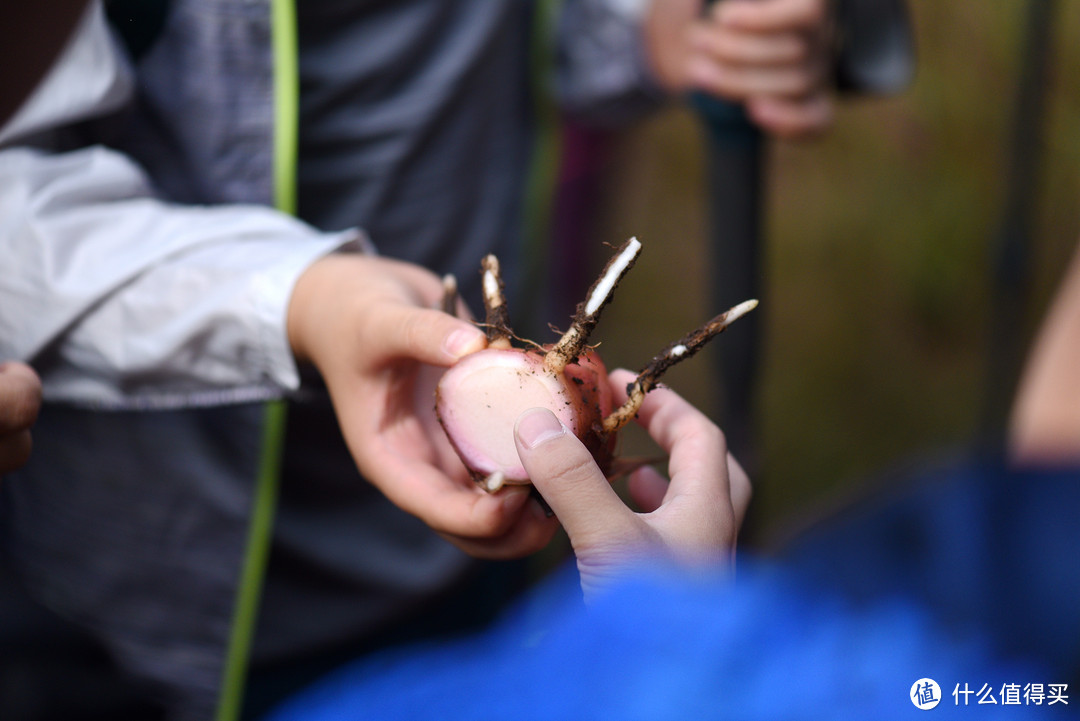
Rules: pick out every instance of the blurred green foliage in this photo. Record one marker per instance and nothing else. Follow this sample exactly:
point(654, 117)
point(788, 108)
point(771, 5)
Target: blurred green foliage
point(879, 280)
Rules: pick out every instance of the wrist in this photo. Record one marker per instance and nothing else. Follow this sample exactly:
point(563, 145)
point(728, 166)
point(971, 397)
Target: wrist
point(308, 310)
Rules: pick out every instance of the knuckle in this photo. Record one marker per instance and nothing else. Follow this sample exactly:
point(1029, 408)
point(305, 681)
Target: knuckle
point(563, 457)
point(570, 464)
point(416, 329)
point(714, 435)
point(701, 430)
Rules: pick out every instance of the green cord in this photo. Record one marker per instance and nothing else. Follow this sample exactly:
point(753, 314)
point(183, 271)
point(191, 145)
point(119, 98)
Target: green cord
point(286, 104)
point(245, 614)
point(251, 577)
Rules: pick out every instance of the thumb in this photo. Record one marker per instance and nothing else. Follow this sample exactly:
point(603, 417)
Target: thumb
point(426, 335)
point(567, 476)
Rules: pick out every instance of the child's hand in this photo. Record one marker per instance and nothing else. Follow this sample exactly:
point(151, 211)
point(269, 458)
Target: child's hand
point(693, 521)
point(369, 326)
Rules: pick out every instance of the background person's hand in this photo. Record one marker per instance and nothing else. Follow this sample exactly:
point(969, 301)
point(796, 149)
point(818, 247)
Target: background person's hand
point(771, 55)
point(692, 521)
point(370, 326)
point(20, 401)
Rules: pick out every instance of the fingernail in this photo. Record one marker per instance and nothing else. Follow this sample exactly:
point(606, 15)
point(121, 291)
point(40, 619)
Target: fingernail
point(463, 341)
point(538, 425)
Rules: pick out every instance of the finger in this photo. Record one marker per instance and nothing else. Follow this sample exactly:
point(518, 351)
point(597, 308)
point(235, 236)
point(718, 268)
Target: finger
point(720, 44)
point(771, 15)
point(697, 514)
point(20, 397)
point(423, 334)
point(14, 451)
point(696, 446)
point(741, 489)
point(566, 475)
point(793, 118)
point(739, 83)
point(448, 506)
point(664, 412)
point(647, 487)
point(532, 532)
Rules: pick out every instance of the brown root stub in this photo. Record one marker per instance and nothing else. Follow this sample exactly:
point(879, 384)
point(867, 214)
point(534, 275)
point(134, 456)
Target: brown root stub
point(678, 351)
point(480, 397)
point(497, 316)
point(450, 294)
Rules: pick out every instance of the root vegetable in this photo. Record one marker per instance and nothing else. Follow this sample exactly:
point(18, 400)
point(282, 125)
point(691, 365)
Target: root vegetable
point(480, 397)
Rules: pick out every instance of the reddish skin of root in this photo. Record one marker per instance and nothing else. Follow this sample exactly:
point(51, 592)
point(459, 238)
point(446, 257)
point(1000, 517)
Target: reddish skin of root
point(479, 398)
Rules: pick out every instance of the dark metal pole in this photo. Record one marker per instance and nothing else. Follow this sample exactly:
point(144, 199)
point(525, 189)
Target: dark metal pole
point(874, 53)
point(735, 189)
point(1010, 250)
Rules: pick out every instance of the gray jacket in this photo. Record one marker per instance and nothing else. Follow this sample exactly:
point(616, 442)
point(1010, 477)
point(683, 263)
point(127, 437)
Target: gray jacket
point(146, 277)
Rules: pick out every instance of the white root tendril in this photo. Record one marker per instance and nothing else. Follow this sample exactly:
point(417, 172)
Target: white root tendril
point(738, 312)
point(494, 481)
point(498, 317)
point(573, 341)
point(491, 289)
point(602, 291)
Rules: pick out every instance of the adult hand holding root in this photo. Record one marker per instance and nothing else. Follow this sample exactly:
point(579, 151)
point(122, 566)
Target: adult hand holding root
point(692, 521)
point(772, 55)
point(370, 326)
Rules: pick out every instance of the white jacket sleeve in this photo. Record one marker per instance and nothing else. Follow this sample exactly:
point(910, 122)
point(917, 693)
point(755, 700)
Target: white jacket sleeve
point(120, 299)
